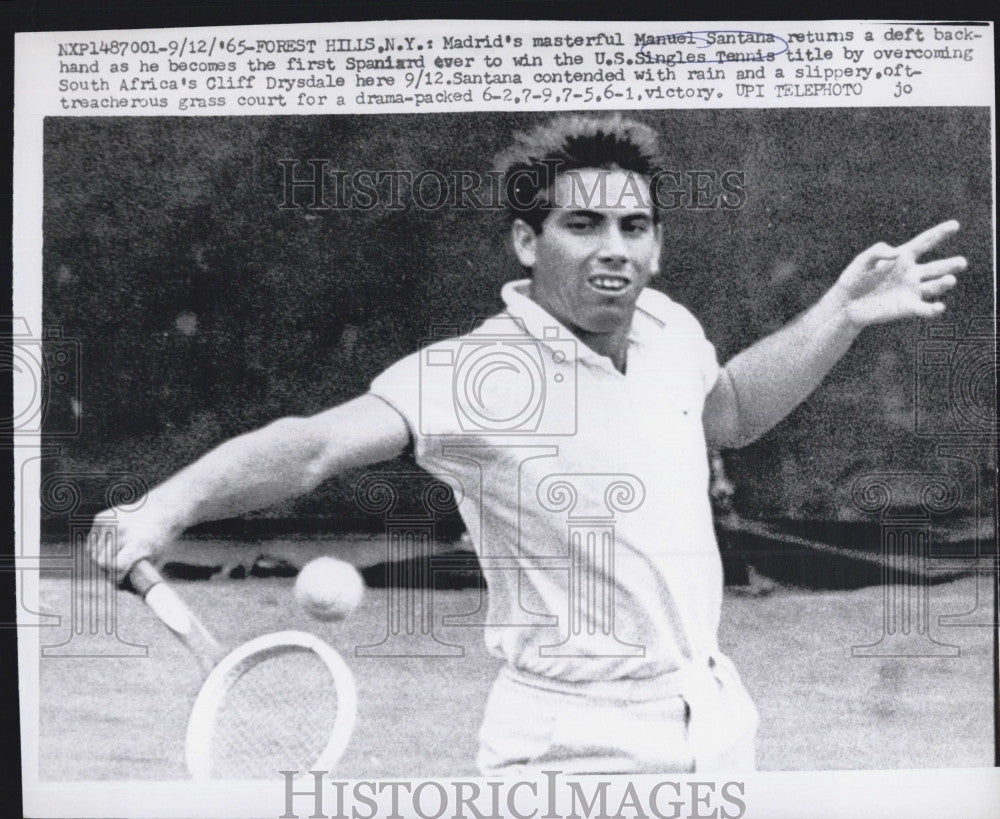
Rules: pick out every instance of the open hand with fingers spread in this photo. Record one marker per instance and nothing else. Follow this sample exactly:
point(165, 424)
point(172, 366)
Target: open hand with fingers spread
point(886, 283)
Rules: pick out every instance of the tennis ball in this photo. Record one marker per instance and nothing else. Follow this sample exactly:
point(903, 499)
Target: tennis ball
point(328, 589)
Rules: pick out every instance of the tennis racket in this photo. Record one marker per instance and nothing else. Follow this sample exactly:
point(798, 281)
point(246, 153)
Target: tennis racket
point(282, 701)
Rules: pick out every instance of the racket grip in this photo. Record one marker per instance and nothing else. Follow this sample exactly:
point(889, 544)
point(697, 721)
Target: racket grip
point(149, 584)
point(143, 576)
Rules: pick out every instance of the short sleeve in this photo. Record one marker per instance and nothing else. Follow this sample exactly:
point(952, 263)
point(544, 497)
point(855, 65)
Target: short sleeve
point(704, 353)
point(685, 336)
point(399, 386)
point(421, 388)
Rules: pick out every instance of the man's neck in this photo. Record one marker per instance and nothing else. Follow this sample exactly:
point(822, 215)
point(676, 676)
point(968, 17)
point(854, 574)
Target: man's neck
point(612, 344)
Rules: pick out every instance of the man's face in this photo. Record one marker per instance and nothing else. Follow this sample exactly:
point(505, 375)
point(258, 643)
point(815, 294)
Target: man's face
point(597, 250)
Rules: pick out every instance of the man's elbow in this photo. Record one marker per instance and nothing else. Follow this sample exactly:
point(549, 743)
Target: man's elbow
point(726, 424)
point(298, 437)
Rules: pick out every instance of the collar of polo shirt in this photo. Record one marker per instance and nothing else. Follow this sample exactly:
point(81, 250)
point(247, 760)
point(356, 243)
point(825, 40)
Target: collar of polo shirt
point(540, 324)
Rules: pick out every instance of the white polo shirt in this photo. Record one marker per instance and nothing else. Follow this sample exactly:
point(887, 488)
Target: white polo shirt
point(585, 490)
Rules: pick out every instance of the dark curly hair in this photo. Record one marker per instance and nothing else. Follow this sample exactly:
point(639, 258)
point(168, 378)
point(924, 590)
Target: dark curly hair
point(566, 143)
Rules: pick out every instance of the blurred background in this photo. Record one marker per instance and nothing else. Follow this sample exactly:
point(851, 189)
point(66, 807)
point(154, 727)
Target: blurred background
point(195, 308)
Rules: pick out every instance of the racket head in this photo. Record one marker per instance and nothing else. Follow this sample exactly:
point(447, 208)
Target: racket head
point(282, 701)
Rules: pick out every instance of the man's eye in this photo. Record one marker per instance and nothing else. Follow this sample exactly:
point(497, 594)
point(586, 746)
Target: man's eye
point(580, 225)
point(636, 227)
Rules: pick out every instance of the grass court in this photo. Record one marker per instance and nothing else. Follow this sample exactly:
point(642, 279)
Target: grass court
point(125, 718)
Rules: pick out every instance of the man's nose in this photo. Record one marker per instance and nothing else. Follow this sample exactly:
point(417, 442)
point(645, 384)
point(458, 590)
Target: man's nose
point(613, 249)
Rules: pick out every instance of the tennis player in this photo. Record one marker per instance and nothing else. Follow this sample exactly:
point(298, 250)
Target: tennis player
point(585, 485)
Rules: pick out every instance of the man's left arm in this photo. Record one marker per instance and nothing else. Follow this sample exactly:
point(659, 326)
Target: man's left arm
point(761, 385)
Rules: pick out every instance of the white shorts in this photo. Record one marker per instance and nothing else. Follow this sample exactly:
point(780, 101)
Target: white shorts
point(533, 724)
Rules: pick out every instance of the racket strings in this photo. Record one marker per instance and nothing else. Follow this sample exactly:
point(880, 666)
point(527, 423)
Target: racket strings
point(278, 713)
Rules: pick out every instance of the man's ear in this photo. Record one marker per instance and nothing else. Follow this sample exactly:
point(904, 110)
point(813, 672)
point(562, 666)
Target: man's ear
point(654, 262)
point(524, 239)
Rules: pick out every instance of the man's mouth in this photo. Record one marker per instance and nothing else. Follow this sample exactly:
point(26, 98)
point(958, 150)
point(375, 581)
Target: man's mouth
point(608, 283)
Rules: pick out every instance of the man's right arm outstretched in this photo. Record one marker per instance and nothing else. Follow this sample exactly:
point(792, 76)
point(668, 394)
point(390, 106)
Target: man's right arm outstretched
point(282, 460)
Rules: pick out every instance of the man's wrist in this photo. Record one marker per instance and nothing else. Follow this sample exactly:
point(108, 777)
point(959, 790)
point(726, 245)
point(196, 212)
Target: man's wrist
point(171, 513)
point(837, 306)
